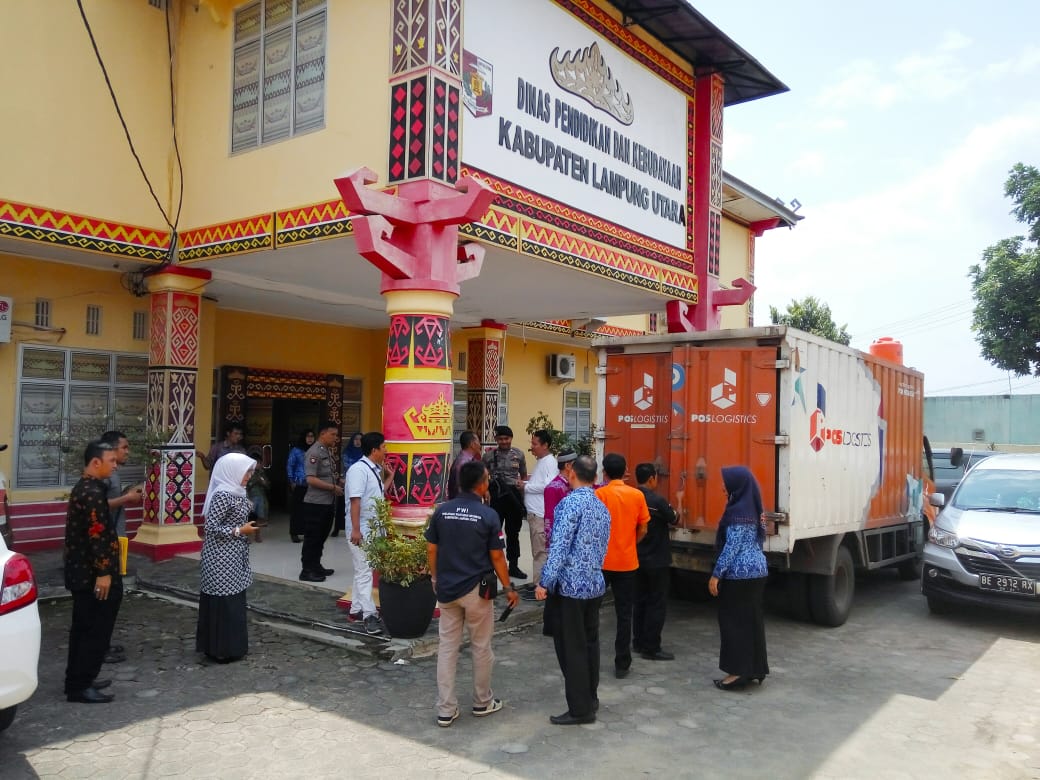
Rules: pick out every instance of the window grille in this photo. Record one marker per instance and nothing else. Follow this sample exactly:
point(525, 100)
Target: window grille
point(278, 63)
point(93, 320)
point(43, 313)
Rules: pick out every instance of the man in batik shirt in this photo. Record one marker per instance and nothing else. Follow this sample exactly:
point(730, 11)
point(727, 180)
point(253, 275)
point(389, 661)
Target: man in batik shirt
point(92, 575)
point(572, 580)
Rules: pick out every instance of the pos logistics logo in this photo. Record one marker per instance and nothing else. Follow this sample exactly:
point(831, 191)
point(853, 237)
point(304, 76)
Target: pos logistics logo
point(643, 400)
point(723, 396)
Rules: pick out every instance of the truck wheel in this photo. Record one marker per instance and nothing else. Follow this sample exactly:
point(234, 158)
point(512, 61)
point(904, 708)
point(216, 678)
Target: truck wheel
point(909, 570)
point(798, 596)
point(830, 595)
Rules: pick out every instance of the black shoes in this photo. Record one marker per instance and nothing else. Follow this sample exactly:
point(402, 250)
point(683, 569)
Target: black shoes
point(515, 571)
point(90, 696)
point(295, 538)
point(659, 655)
point(738, 684)
point(566, 719)
point(327, 572)
point(100, 685)
point(310, 576)
point(621, 674)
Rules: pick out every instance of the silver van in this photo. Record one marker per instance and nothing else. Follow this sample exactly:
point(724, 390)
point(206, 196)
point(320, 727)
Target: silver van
point(984, 547)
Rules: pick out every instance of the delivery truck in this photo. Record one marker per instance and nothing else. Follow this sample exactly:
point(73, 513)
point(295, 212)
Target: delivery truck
point(834, 437)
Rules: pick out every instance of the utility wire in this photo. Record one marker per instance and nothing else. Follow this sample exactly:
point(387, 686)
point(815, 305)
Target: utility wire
point(119, 113)
point(173, 124)
point(919, 319)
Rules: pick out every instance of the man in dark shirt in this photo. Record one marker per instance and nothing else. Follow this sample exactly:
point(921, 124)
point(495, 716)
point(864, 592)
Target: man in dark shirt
point(471, 450)
point(232, 443)
point(652, 577)
point(464, 543)
point(92, 575)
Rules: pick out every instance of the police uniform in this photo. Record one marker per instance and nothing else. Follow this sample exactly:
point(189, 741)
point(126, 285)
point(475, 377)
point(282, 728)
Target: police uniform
point(319, 504)
point(507, 468)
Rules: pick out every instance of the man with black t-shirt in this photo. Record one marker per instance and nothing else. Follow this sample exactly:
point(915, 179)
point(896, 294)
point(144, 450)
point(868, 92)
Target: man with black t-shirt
point(653, 575)
point(464, 543)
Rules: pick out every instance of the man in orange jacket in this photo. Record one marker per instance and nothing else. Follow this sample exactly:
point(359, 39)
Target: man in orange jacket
point(629, 516)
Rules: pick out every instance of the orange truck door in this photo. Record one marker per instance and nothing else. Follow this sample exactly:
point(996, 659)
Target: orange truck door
point(637, 416)
point(727, 400)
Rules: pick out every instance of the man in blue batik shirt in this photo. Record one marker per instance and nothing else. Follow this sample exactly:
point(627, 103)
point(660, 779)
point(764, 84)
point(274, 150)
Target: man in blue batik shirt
point(572, 581)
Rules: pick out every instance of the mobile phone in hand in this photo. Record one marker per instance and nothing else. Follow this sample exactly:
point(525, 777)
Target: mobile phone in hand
point(505, 613)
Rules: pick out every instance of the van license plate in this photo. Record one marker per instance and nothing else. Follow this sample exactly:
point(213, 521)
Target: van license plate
point(1007, 584)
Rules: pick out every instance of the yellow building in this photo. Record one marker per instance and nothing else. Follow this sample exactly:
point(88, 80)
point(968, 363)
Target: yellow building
point(176, 255)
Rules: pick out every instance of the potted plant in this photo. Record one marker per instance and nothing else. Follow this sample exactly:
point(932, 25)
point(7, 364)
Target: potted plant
point(406, 594)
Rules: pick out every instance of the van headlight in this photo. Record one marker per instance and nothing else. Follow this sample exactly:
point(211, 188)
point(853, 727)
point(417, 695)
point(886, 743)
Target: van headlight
point(942, 537)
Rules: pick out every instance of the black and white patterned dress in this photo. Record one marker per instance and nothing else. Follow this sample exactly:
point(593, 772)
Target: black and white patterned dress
point(225, 574)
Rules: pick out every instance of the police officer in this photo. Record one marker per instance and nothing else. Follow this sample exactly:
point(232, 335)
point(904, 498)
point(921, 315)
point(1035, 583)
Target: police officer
point(324, 486)
point(508, 469)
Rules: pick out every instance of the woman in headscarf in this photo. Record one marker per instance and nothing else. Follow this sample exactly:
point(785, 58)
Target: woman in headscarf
point(296, 471)
point(225, 573)
point(351, 454)
point(739, 581)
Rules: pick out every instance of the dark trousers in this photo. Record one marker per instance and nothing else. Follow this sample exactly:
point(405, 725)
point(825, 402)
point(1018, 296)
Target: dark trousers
point(89, 634)
point(623, 583)
point(296, 511)
point(650, 604)
point(510, 509)
point(576, 638)
point(317, 525)
point(742, 650)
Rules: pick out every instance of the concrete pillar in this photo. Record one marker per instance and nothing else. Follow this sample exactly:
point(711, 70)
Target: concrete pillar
point(484, 379)
point(173, 365)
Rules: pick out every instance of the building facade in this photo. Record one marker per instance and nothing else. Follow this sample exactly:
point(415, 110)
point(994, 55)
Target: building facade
point(178, 251)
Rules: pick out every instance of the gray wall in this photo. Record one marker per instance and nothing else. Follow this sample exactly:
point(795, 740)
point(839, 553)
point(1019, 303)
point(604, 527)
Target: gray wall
point(1003, 420)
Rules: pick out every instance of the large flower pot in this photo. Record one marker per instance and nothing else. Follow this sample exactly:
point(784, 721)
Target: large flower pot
point(407, 611)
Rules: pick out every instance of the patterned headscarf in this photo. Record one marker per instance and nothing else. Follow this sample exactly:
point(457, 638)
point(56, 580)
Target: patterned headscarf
point(227, 476)
point(744, 505)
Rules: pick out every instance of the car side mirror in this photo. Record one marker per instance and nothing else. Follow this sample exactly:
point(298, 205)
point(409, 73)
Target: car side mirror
point(937, 499)
point(956, 457)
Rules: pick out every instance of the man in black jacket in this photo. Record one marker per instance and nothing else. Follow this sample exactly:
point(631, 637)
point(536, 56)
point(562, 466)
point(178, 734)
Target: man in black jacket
point(652, 577)
point(92, 575)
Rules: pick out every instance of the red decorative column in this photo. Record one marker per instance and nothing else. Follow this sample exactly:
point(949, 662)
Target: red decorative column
point(484, 378)
point(173, 366)
point(709, 100)
point(412, 237)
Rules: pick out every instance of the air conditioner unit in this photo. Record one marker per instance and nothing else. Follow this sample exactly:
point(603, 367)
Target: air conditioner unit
point(562, 368)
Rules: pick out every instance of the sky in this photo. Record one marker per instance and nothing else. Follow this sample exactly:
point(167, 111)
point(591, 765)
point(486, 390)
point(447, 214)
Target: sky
point(897, 135)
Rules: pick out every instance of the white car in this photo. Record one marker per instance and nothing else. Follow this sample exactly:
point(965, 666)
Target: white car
point(19, 632)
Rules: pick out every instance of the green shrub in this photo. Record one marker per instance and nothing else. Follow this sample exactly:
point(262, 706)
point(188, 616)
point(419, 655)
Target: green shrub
point(398, 558)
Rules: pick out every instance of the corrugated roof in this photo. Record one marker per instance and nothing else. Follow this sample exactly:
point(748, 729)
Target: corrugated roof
point(683, 29)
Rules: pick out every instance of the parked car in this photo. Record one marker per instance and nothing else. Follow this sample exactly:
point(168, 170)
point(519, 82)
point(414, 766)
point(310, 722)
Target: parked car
point(952, 464)
point(5, 514)
point(984, 547)
point(19, 632)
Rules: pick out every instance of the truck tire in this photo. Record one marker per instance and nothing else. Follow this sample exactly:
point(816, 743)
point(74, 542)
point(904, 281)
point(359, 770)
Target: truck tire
point(830, 595)
point(798, 596)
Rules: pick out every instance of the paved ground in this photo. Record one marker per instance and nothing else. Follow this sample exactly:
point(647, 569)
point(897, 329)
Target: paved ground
point(893, 693)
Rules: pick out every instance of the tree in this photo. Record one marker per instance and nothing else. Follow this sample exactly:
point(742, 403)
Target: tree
point(1006, 284)
point(812, 316)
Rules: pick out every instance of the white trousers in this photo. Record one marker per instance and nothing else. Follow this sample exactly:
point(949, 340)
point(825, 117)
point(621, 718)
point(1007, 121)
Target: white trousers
point(361, 596)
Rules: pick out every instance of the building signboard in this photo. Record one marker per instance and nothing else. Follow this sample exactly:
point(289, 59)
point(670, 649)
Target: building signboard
point(555, 108)
point(6, 314)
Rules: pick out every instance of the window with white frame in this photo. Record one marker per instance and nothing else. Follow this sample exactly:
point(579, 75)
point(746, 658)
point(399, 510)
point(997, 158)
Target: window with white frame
point(577, 414)
point(278, 88)
point(66, 398)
